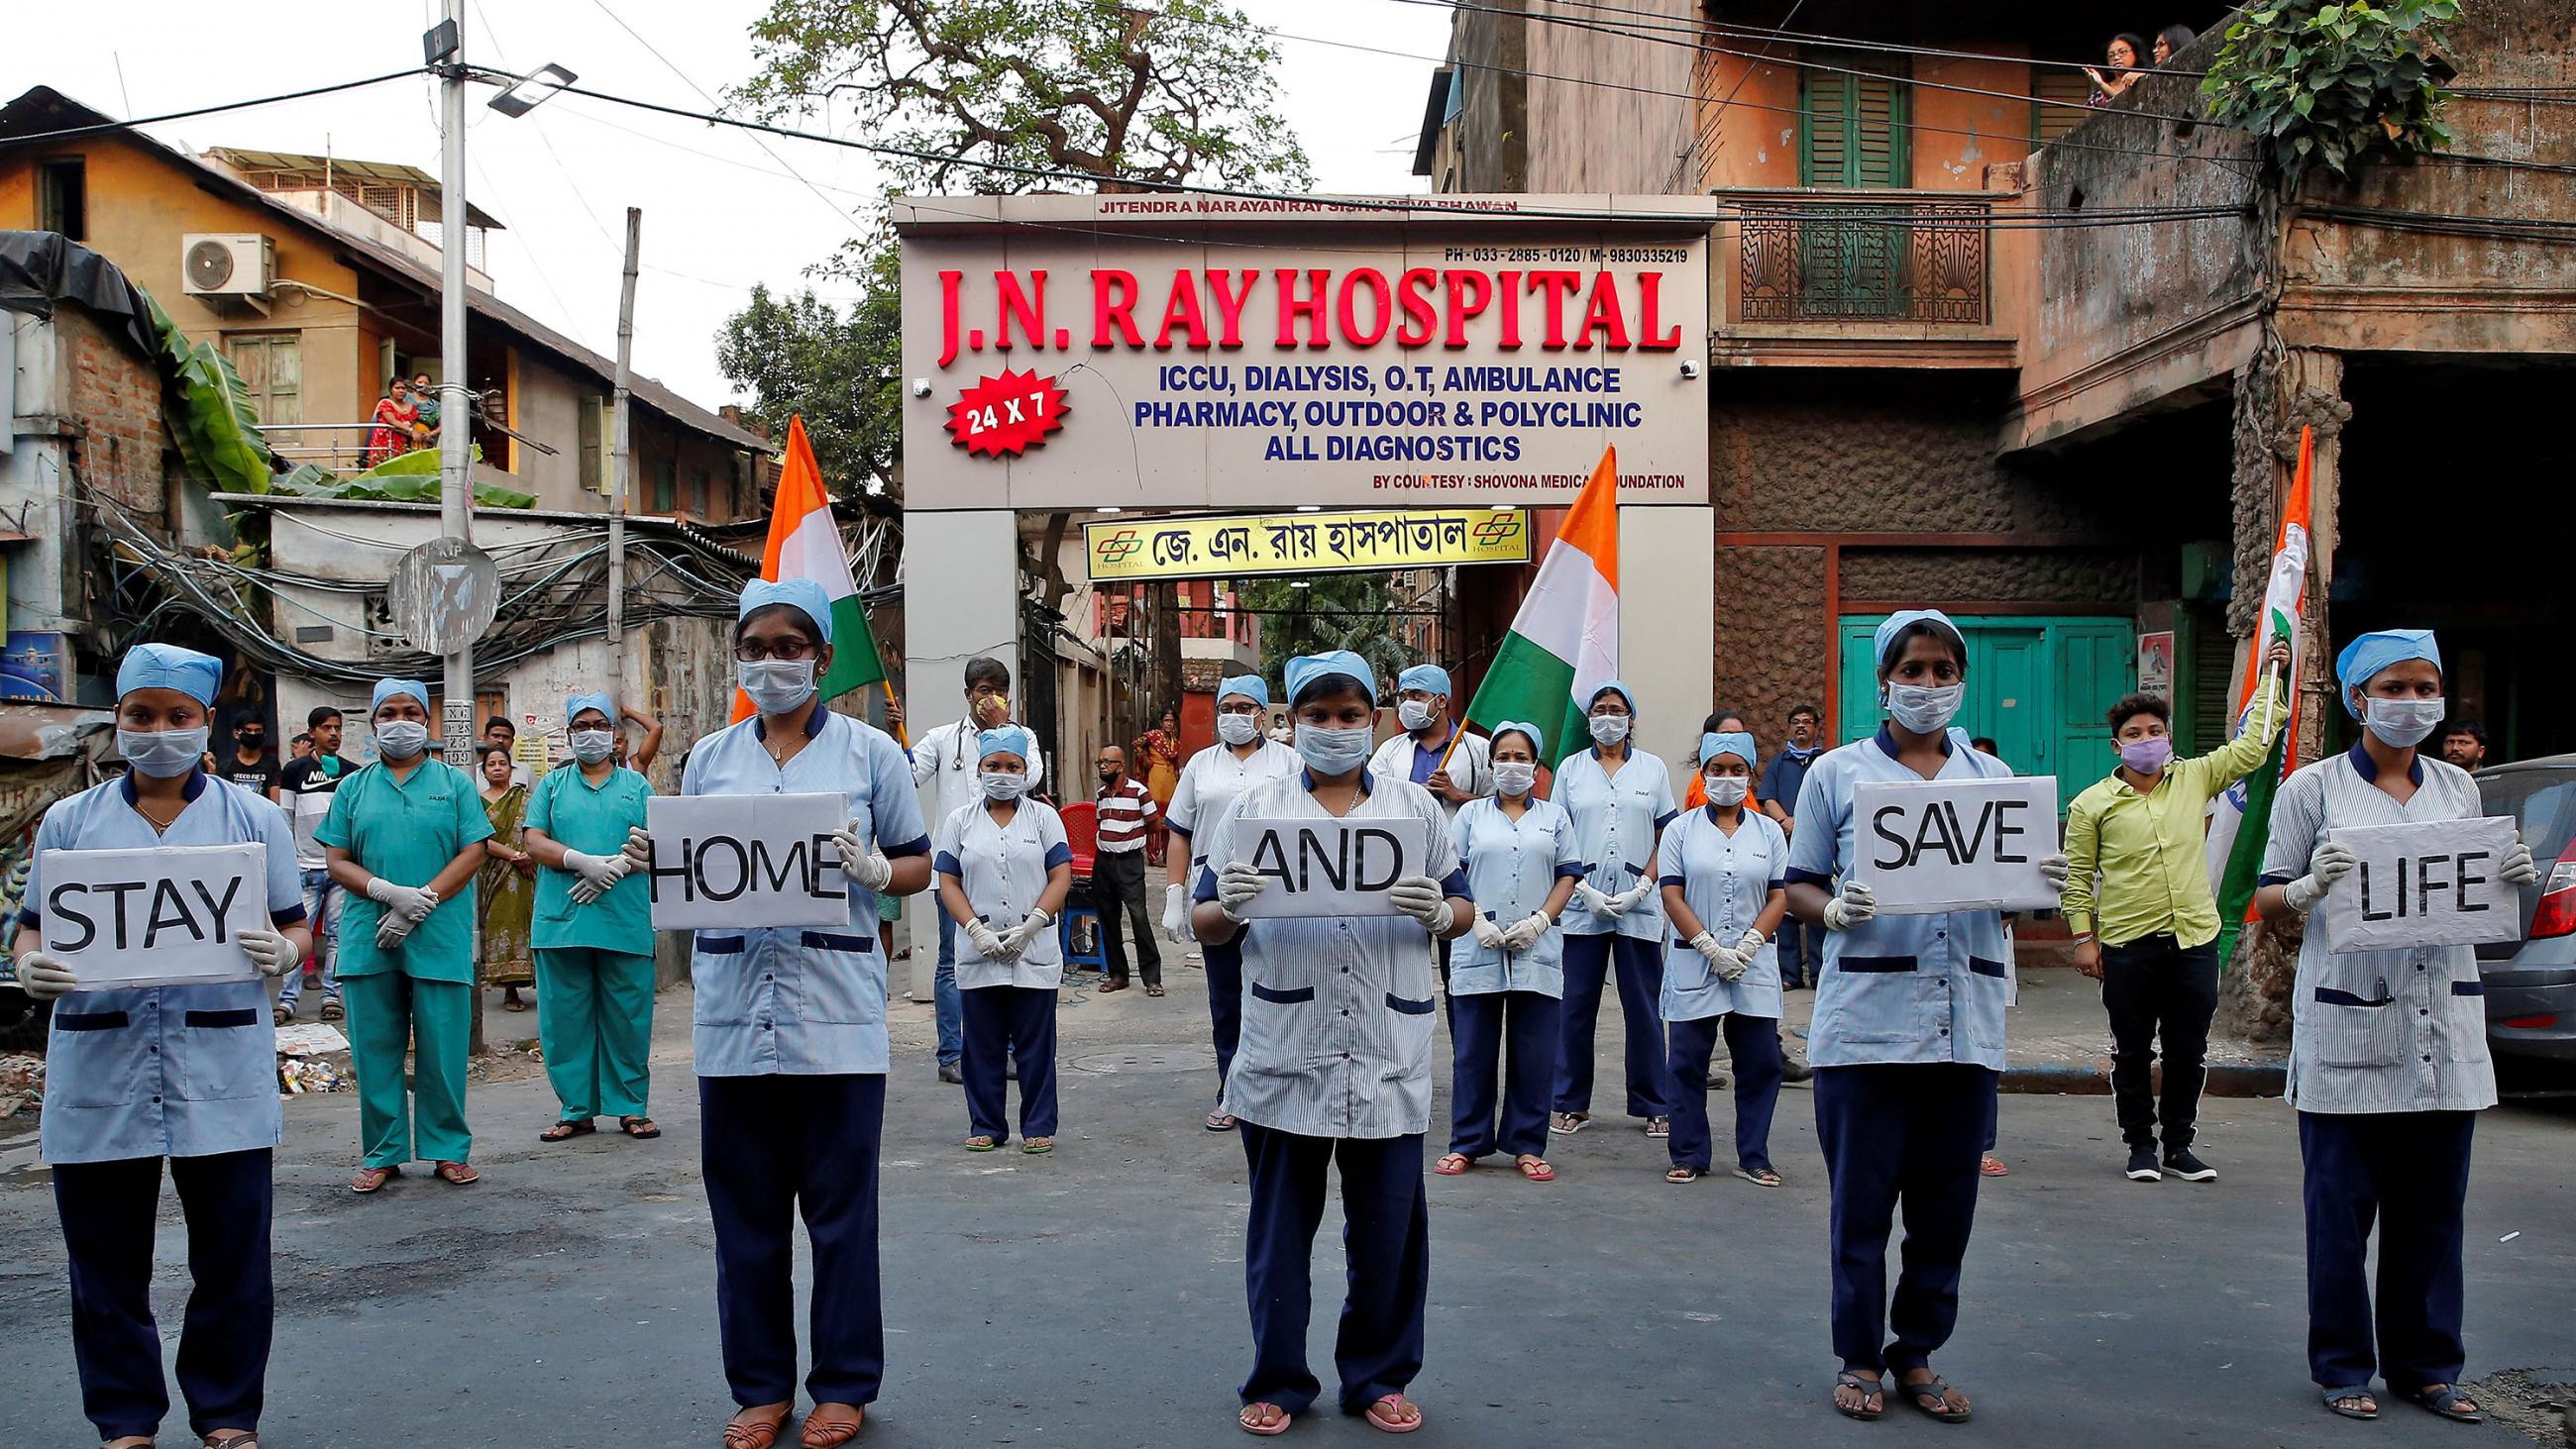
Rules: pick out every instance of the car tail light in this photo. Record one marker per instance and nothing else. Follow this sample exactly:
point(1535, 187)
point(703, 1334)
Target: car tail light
point(2542, 1022)
point(2556, 914)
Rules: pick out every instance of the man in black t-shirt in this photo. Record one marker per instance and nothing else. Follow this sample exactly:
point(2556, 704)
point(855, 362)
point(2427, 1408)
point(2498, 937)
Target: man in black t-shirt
point(304, 789)
point(251, 766)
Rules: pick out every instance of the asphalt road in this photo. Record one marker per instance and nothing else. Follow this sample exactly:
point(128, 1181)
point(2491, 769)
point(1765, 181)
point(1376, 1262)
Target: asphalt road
point(1095, 1297)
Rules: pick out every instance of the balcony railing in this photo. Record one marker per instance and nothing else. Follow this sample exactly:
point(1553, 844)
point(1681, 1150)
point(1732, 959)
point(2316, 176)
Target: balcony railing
point(1870, 259)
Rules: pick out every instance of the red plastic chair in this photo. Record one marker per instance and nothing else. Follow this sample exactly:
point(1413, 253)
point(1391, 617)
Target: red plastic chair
point(1082, 835)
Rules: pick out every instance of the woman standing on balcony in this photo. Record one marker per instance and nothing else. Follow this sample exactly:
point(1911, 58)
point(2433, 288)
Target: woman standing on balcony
point(390, 438)
point(2124, 55)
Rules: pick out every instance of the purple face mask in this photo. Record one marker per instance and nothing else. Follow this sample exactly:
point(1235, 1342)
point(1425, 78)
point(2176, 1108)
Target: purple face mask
point(2148, 755)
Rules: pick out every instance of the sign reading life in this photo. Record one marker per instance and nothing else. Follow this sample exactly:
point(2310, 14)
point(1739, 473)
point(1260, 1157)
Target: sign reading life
point(1329, 867)
point(746, 861)
point(2429, 884)
point(1955, 845)
point(162, 915)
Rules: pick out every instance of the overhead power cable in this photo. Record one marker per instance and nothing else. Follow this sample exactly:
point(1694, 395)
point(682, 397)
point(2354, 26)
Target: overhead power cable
point(104, 127)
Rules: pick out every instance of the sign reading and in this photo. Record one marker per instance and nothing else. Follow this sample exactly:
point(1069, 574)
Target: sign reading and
point(746, 861)
point(1303, 543)
point(2428, 884)
point(1956, 845)
point(161, 915)
point(1328, 866)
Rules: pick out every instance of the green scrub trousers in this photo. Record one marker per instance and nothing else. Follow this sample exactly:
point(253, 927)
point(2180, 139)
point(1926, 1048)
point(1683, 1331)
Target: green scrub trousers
point(388, 1012)
point(595, 1021)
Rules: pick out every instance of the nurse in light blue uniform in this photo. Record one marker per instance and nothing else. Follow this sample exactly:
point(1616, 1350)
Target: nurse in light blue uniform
point(1004, 868)
point(1724, 872)
point(790, 1034)
point(1521, 868)
point(137, 1074)
point(1621, 799)
point(1908, 1036)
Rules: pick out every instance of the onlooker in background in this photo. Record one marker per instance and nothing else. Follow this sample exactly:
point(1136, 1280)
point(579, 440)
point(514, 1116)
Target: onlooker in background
point(389, 437)
point(1127, 815)
point(642, 756)
point(499, 731)
point(2464, 744)
point(304, 790)
point(1422, 754)
point(2171, 39)
point(252, 767)
point(943, 771)
point(1719, 722)
point(1798, 945)
point(1158, 754)
point(1985, 745)
point(2123, 56)
point(508, 881)
point(2148, 932)
point(424, 400)
point(299, 748)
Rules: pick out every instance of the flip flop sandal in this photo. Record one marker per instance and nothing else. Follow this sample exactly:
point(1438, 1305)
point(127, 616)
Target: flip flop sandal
point(1219, 1122)
point(1566, 1124)
point(831, 1433)
point(333, 1011)
point(1681, 1174)
point(639, 1128)
point(2447, 1401)
point(238, 1441)
point(1759, 1176)
point(1153, 991)
point(1393, 1403)
point(1659, 1127)
point(458, 1174)
point(1453, 1164)
point(2348, 1401)
point(1867, 1384)
point(1993, 1166)
point(981, 1144)
point(567, 1131)
point(1536, 1169)
point(280, 1016)
point(373, 1179)
point(1938, 1391)
point(1037, 1146)
point(1250, 1425)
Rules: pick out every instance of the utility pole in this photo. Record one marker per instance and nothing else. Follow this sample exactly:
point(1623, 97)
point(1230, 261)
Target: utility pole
point(620, 480)
point(456, 404)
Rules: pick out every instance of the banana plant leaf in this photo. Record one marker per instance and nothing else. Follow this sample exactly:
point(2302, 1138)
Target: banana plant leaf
point(405, 478)
point(212, 417)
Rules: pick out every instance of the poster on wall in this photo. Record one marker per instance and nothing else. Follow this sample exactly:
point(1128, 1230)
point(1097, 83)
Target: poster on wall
point(2156, 664)
point(36, 666)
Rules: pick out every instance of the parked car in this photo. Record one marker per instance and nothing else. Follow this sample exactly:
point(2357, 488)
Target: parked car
point(2531, 983)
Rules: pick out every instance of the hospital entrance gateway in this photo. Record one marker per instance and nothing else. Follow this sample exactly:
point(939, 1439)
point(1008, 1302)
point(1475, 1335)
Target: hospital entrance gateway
point(1397, 383)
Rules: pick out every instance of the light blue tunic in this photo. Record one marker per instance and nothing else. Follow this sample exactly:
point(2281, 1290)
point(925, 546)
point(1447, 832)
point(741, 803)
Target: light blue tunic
point(1928, 988)
point(1512, 868)
point(1003, 870)
point(164, 1071)
point(803, 1000)
point(1615, 820)
point(1725, 879)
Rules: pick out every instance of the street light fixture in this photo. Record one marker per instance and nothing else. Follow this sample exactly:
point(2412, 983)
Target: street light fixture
point(533, 90)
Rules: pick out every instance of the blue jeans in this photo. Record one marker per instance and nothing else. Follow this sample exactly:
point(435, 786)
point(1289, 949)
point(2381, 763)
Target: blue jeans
point(322, 901)
point(943, 995)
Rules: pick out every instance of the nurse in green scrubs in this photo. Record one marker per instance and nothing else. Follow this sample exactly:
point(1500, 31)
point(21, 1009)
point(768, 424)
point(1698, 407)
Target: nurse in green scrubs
point(594, 930)
point(404, 838)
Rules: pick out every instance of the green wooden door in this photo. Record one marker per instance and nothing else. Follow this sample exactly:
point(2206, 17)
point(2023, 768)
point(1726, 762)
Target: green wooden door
point(2037, 686)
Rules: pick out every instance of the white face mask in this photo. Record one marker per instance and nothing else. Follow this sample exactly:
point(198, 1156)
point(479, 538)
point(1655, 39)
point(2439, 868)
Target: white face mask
point(1609, 729)
point(1238, 729)
point(1923, 709)
point(592, 746)
point(1414, 714)
point(401, 739)
point(1727, 789)
point(162, 754)
point(1002, 785)
point(775, 686)
point(2403, 723)
point(1512, 777)
point(1334, 752)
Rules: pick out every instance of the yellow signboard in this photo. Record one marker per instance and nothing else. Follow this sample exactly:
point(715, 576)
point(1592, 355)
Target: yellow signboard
point(1303, 543)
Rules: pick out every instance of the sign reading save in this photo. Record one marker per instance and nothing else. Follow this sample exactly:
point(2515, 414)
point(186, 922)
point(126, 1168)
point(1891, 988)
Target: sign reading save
point(2428, 884)
point(163, 915)
point(1330, 867)
point(746, 861)
point(1955, 845)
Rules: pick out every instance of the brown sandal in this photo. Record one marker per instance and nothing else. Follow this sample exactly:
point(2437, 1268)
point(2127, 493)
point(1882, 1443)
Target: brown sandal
point(238, 1441)
point(639, 1128)
point(567, 1131)
point(372, 1179)
point(831, 1433)
point(756, 1433)
point(458, 1174)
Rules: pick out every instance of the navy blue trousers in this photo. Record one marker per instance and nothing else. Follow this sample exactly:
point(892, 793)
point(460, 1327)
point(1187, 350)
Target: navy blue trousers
point(772, 1147)
point(1754, 1044)
point(1801, 951)
point(1224, 962)
point(1640, 965)
point(1900, 1134)
point(1482, 1023)
point(2410, 1172)
point(1386, 1241)
point(1004, 1023)
point(107, 1211)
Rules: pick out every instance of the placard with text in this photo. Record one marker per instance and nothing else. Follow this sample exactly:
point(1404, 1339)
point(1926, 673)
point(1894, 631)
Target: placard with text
point(162, 915)
point(1330, 867)
point(1955, 845)
point(746, 861)
point(2433, 883)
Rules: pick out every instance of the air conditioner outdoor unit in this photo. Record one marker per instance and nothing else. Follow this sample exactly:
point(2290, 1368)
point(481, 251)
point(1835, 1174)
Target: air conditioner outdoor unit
point(227, 264)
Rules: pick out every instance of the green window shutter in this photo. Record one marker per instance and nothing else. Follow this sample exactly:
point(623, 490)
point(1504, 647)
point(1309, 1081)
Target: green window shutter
point(1825, 129)
point(1853, 130)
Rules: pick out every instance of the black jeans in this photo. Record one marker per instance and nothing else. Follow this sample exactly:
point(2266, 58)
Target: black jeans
point(2150, 985)
point(1118, 882)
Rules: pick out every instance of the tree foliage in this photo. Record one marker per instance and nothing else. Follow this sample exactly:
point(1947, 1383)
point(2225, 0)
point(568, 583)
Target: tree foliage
point(2334, 83)
point(839, 369)
point(1338, 611)
point(1186, 92)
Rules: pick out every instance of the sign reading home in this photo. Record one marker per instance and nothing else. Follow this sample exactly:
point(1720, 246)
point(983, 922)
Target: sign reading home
point(1328, 866)
point(1955, 845)
point(1185, 352)
point(2435, 883)
point(746, 861)
point(162, 915)
point(1124, 550)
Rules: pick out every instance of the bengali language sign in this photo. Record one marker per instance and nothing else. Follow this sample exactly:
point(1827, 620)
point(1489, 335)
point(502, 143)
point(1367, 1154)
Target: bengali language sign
point(1298, 543)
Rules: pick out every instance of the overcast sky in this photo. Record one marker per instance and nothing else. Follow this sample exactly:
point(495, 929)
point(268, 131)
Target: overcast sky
point(720, 213)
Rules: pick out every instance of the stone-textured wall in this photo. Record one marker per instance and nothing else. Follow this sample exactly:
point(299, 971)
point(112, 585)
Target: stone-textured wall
point(1772, 631)
point(2021, 576)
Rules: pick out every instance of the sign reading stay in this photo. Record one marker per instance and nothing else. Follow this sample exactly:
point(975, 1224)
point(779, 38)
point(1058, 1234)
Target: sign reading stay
point(746, 861)
point(2428, 884)
point(163, 915)
point(1329, 867)
point(1955, 845)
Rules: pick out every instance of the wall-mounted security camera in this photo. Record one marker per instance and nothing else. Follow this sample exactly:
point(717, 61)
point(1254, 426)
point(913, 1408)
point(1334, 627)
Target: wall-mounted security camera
point(921, 387)
point(1690, 369)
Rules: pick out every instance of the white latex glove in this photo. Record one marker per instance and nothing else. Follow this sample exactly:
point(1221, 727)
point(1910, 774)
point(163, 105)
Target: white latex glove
point(1420, 897)
point(2053, 869)
point(46, 977)
point(1524, 933)
point(1635, 895)
point(1016, 940)
point(1594, 901)
point(412, 903)
point(987, 944)
point(266, 949)
point(868, 867)
point(1731, 964)
point(1488, 935)
point(1856, 906)
point(2519, 868)
point(597, 873)
point(1751, 945)
point(1176, 914)
point(639, 847)
point(2329, 863)
point(1236, 885)
point(392, 929)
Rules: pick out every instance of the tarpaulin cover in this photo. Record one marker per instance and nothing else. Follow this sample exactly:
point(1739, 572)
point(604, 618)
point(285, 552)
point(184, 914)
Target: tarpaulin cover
point(40, 269)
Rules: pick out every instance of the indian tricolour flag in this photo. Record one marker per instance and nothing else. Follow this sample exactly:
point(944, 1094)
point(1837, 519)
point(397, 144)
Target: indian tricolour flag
point(804, 543)
point(2241, 826)
point(1565, 640)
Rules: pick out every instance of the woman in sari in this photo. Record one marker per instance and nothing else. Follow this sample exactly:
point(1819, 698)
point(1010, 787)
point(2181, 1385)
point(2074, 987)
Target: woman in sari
point(391, 437)
point(509, 881)
point(1158, 758)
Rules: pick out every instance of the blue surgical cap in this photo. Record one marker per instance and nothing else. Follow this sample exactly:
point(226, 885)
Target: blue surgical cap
point(1727, 742)
point(1538, 742)
point(1896, 625)
point(1305, 668)
point(579, 702)
point(1249, 686)
point(388, 688)
point(804, 594)
point(2371, 653)
point(167, 666)
point(1612, 686)
point(1007, 739)
point(1430, 677)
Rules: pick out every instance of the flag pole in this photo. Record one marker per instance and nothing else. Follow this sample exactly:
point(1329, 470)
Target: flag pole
point(902, 735)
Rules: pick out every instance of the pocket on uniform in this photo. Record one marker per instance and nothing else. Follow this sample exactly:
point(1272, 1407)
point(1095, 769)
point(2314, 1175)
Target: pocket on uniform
point(2352, 1030)
point(1288, 997)
point(223, 1057)
point(91, 1020)
point(1398, 1003)
point(1686, 970)
point(719, 945)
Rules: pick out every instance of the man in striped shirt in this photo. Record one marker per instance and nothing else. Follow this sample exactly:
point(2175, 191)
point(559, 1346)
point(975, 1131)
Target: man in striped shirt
point(1118, 872)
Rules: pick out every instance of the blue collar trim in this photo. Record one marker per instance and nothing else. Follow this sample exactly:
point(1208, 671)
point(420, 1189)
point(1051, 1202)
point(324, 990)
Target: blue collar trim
point(813, 723)
point(188, 792)
point(1887, 741)
point(1307, 777)
point(2368, 768)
